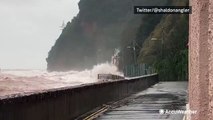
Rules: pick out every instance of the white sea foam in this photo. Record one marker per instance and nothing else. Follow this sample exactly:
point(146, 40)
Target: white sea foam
point(85, 76)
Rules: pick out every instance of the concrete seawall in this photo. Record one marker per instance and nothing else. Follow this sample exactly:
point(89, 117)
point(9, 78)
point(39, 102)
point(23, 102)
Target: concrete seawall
point(69, 103)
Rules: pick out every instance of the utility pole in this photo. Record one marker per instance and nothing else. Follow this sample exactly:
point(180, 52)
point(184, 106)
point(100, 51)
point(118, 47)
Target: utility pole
point(134, 51)
point(162, 43)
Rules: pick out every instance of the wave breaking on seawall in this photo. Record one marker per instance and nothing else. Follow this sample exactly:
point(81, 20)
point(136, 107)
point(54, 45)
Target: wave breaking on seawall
point(21, 81)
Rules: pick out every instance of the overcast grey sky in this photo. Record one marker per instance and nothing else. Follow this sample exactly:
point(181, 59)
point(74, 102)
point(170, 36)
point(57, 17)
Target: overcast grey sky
point(29, 28)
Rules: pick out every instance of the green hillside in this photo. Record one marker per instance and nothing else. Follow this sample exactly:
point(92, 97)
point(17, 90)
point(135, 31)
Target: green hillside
point(162, 43)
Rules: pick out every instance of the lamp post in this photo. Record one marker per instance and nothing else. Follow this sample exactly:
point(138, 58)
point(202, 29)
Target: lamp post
point(133, 68)
point(155, 39)
point(162, 41)
point(133, 47)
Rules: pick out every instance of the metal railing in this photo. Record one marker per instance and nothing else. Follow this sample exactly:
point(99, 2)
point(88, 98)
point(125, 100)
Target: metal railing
point(137, 70)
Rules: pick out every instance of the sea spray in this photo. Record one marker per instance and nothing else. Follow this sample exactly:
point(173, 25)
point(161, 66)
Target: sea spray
point(85, 76)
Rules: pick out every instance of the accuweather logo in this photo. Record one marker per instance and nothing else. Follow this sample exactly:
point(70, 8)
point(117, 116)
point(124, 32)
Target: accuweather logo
point(162, 111)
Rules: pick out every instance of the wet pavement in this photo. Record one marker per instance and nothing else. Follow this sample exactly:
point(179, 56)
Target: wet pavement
point(151, 104)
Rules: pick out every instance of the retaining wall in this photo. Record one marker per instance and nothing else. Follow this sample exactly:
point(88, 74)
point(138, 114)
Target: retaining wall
point(201, 60)
point(69, 103)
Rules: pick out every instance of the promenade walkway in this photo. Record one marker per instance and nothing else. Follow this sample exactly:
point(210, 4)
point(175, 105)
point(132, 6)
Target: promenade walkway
point(151, 104)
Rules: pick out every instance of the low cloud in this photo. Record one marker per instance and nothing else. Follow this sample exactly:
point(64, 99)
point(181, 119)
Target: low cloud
point(29, 28)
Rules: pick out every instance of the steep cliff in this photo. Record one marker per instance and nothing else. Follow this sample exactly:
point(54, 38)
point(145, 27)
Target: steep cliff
point(92, 36)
